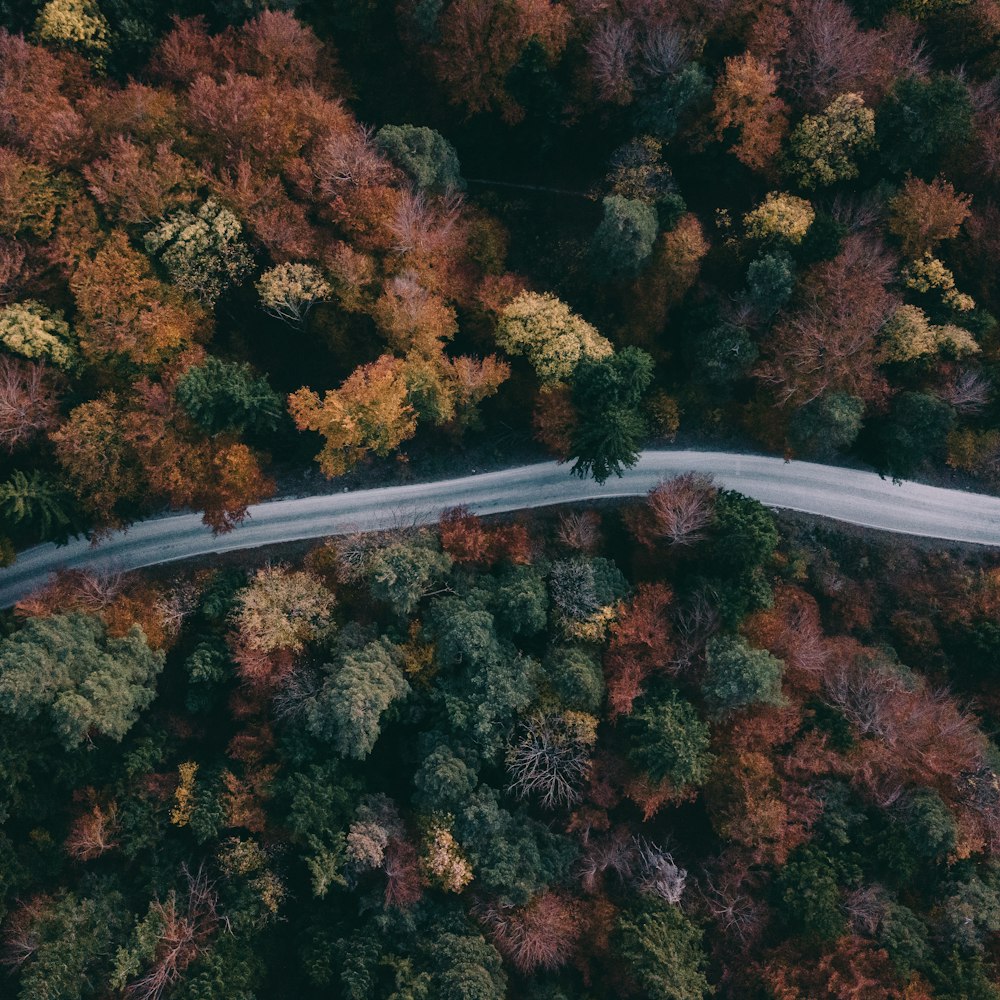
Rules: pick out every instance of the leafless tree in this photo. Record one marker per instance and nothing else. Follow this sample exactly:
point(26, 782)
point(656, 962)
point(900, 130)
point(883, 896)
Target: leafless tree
point(574, 591)
point(968, 391)
point(615, 853)
point(664, 51)
point(611, 49)
point(28, 403)
point(549, 761)
point(657, 872)
point(695, 622)
point(349, 159)
point(580, 530)
point(866, 908)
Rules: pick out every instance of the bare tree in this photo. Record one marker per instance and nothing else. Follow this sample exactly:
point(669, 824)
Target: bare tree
point(866, 908)
point(349, 159)
point(580, 530)
point(611, 49)
point(28, 403)
point(550, 760)
point(967, 390)
point(695, 622)
point(658, 874)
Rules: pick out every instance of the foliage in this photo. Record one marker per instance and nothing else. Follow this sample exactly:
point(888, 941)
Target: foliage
point(824, 149)
point(36, 333)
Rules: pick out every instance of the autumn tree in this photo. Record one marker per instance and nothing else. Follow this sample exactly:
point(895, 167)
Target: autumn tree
point(540, 935)
point(146, 324)
point(827, 342)
point(549, 758)
point(780, 218)
point(746, 105)
point(289, 291)
point(553, 338)
point(85, 683)
point(824, 148)
point(370, 412)
point(922, 214)
point(37, 333)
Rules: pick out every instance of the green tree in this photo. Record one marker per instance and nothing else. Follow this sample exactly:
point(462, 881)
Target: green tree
point(68, 669)
point(467, 968)
point(404, 572)
point(423, 154)
point(669, 741)
point(827, 425)
point(35, 503)
point(625, 237)
point(662, 950)
point(723, 354)
point(577, 678)
point(929, 824)
point(74, 941)
point(517, 598)
point(916, 432)
point(221, 396)
point(737, 675)
point(349, 707)
point(444, 780)
point(924, 121)
point(809, 896)
point(770, 282)
point(607, 396)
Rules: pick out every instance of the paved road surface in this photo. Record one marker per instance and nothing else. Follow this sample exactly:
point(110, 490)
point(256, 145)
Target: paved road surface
point(860, 498)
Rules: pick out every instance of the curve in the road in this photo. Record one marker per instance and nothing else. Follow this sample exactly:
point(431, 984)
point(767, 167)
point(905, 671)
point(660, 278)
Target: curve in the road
point(860, 498)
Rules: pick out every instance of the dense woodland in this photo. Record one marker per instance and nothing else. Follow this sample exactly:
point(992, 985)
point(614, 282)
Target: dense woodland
point(673, 752)
point(665, 751)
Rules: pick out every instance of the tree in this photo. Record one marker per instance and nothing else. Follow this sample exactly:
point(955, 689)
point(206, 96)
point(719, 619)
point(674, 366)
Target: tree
point(147, 324)
point(27, 402)
point(27, 197)
point(74, 24)
point(553, 338)
point(539, 935)
point(641, 645)
point(289, 291)
point(737, 676)
point(922, 214)
point(924, 121)
point(404, 572)
point(746, 104)
point(809, 895)
point(668, 741)
point(577, 678)
point(282, 609)
point(662, 952)
point(770, 282)
point(37, 333)
point(84, 682)
point(36, 503)
point(637, 172)
point(369, 412)
point(827, 425)
point(677, 512)
point(467, 968)
point(828, 341)
point(226, 396)
point(607, 396)
point(916, 432)
point(204, 252)
point(783, 218)
point(423, 154)
point(349, 707)
point(824, 149)
point(625, 237)
point(549, 759)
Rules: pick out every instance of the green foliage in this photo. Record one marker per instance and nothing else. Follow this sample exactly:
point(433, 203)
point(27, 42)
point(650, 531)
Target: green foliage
point(37, 505)
point(738, 676)
point(625, 237)
point(607, 396)
point(349, 707)
point(824, 149)
point(924, 121)
point(809, 895)
point(827, 425)
point(67, 669)
point(662, 950)
point(577, 678)
point(723, 354)
point(404, 572)
point(444, 780)
point(916, 432)
point(517, 598)
point(425, 155)
point(669, 741)
point(770, 282)
point(222, 396)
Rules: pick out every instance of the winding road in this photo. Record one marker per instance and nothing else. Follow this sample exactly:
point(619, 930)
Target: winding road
point(856, 497)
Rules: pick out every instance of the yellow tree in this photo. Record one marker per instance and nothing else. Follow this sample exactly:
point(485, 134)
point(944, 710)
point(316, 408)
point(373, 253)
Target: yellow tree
point(370, 412)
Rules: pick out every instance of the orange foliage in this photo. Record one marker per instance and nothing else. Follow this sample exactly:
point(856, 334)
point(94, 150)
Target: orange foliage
point(745, 100)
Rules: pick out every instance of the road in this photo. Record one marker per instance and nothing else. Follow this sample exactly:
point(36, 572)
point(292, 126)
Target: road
point(856, 497)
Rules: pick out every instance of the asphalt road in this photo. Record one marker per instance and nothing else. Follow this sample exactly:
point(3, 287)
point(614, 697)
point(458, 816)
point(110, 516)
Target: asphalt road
point(859, 498)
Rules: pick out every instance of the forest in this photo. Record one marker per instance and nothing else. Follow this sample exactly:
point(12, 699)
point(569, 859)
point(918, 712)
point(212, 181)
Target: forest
point(673, 749)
